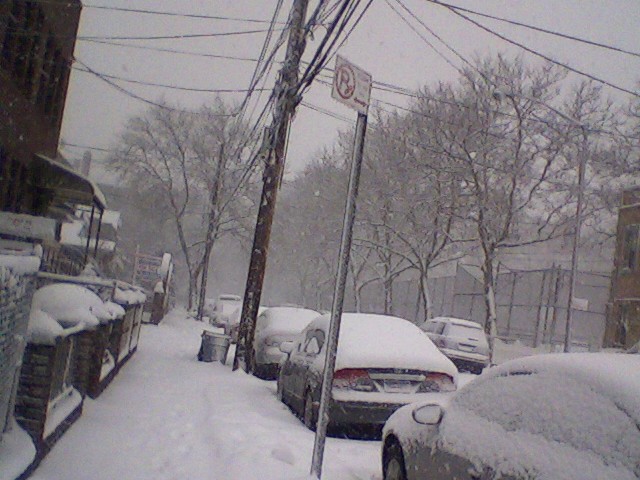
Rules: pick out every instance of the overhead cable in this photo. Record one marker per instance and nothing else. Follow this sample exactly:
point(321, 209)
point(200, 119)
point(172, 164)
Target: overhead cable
point(539, 29)
point(538, 54)
point(170, 50)
point(177, 14)
point(162, 85)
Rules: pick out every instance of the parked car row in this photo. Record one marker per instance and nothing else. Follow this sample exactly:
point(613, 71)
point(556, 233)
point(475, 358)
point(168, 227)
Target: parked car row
point(561, 416)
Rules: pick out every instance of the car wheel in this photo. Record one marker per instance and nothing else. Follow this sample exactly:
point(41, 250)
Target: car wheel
point(394, 468)
point(309, 416)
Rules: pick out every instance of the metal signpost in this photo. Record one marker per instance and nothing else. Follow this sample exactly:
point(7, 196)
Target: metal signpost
point(351, 86)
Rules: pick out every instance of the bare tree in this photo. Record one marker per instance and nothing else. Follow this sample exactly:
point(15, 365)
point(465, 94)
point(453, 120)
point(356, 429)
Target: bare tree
point(193, 161)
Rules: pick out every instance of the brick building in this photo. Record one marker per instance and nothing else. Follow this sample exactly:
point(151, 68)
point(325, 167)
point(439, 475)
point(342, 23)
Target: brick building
point(36, 46)
point(623, 319)
point(37, 40)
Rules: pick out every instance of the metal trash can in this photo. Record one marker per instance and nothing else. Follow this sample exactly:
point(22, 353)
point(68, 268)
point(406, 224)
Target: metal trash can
point(214, 347)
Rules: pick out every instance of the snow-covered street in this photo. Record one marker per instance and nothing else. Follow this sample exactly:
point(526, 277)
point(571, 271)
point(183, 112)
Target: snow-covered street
point(169, 417)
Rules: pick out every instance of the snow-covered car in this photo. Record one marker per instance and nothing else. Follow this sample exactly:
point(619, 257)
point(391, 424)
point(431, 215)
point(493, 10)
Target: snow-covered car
point(382, 363)
point(222, 308)
point(232, 327)
point(572, 416)
point(274, 326)
point(463, 341)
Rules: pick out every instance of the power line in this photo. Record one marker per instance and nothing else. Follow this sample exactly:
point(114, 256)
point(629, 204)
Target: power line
point(174, 37)
point(177, 14)
point(170, 50)
point(320, 58)
point(130, 94)
point(353, 27)
point(29, 34)
point(257, 74)
point(540, 29)
point(326, 112)
point(161, 85)
point(536, 53)
point(427, 42)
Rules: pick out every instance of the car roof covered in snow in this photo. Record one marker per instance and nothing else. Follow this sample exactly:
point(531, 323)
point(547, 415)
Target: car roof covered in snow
point(615, 375)
point(290, 319)
point(370, 340)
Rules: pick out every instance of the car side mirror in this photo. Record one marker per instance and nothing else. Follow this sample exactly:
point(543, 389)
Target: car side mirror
point(286, 347)
point(428, 414)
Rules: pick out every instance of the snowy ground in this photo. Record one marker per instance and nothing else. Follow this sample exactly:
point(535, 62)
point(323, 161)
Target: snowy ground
point(167, 416)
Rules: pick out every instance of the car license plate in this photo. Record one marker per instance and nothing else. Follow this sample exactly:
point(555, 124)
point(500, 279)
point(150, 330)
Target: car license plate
point(398, 386)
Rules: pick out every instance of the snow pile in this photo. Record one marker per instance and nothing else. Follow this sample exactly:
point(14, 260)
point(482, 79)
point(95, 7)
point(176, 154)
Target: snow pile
point(16, 452)
point(126, 294)
point(62, 309)
point(19, 263)
point(114, 309)
point(286, 319)
point(43, 328)
point(166, 266)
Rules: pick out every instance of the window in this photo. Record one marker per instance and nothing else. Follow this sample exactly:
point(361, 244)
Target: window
point(630, 248)
point(11, 36)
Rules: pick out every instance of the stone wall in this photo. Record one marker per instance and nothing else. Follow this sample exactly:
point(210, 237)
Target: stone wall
point(91, 349)
point(16, 292)
point(34, 390)
point(47, 372)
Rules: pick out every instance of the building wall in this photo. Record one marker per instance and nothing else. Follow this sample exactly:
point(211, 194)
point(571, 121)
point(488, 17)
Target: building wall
point(36, 47)
point(623, 320)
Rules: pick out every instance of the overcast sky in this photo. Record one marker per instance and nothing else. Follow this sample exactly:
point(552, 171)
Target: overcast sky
point(382, 44)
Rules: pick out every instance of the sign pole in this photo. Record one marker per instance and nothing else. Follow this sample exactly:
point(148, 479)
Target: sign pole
point(338, 297)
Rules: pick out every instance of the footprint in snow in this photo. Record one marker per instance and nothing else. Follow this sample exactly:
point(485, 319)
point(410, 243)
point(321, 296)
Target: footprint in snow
point(284, 455)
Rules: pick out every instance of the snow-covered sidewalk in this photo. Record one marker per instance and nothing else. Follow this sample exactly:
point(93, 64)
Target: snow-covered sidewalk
point(167, 416)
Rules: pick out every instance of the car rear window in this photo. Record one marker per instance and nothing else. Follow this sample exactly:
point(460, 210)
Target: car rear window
point(463, 331)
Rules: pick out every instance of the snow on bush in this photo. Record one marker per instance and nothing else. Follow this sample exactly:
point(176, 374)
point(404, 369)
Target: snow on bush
point(128, 295)
point(43, 328)
point(61, 309)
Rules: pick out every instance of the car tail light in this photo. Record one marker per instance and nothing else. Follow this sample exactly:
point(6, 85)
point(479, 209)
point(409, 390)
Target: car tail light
point(437, 382)
point(353, 379)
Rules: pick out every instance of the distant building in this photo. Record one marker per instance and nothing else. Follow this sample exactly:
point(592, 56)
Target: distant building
point(623, 319)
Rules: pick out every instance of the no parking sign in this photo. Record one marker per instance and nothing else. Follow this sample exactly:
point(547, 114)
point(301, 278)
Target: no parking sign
point(351, 85)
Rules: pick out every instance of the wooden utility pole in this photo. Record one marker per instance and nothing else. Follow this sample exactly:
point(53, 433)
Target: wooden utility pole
point(277, 137)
